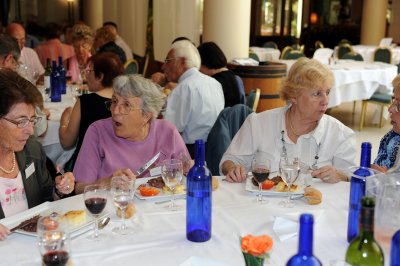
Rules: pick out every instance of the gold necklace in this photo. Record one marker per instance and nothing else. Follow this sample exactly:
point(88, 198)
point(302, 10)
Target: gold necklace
point(12, 168)
point(291, 126)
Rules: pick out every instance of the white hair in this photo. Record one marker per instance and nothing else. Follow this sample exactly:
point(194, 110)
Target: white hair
point(187, 50)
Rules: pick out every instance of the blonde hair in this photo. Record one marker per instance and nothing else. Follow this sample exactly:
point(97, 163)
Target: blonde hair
point(396, 83)
point(82, 32)
point(305, 74)
point(106, 34)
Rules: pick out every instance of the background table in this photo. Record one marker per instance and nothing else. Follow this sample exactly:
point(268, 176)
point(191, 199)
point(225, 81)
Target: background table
point(266, 54)
point(368, 51)
point(160, 234)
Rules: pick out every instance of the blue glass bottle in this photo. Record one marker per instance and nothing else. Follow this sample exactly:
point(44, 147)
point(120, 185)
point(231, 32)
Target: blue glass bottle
point(357, 190)
point(305, 256)
point(395, 250)
point(198, 198)
point(63, 79)
point(55, 92)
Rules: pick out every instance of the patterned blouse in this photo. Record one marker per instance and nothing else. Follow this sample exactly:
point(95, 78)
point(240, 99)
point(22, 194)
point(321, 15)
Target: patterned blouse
point(388, 149)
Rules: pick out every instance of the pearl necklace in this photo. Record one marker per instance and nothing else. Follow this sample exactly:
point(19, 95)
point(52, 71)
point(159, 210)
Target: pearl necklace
point(12, 168)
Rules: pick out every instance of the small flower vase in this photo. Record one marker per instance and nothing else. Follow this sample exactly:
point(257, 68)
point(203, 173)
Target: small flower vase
point(251, 260)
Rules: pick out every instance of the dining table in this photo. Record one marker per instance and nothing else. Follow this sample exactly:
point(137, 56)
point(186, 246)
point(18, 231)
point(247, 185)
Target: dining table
point(266, 54)
point(368, 51)
point(160, 234)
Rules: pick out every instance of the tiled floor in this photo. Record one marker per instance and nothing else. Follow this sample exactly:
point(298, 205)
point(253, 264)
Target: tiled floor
point(371, 133)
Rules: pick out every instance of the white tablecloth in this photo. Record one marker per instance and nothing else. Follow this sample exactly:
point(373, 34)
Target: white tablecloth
point(160, 235)
point(368, 51)
point(357, 80)
point(266, 54)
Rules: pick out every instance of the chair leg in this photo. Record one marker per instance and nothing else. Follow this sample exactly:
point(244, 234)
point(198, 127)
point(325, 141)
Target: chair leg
point(363, 111)
point(354, 107)
point(381, 119)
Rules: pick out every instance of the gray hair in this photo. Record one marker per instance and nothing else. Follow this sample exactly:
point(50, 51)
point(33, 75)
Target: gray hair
point(187, 50)
point(9, 45)
point(152, 99)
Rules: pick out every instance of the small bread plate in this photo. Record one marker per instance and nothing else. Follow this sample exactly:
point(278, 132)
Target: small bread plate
point(299, 193)
point(162, 195)
point(44, 209)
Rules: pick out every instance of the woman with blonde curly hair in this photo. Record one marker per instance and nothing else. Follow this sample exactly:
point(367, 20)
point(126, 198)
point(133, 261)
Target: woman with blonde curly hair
point(301, 128)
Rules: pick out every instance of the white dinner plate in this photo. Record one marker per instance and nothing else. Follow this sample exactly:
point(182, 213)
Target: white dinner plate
point(162, 195)
point(46, 209)
point(254, 189)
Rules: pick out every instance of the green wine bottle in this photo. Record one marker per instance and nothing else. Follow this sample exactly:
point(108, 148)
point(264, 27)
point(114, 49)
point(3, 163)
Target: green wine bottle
point(364, 250)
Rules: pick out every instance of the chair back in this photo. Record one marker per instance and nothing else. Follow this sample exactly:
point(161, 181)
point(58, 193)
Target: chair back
point(285, 51)
point(253, 99)
point(318, 45)
point(353, 56)
point(226, 126)
point(344, 41)
point(241, 89)
point(294, 54)
point(270, 44)
point(344, 49)
point(323, 55)
point(131, 67)
point(383, 54)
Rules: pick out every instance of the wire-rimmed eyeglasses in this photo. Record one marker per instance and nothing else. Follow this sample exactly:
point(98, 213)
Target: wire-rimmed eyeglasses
point(24, 121)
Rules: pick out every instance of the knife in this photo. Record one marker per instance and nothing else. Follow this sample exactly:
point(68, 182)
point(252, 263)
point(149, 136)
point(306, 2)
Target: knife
point(142, 169)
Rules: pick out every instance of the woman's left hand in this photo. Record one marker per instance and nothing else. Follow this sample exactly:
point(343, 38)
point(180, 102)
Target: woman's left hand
point(327, 174)
point(65, 185)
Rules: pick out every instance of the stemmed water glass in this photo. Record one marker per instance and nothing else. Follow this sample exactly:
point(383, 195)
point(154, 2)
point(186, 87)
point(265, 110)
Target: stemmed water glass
point(289, 167)
point(122, 191)
point(53, 240)
point(260, 168)
point(95, 197)
point(172, 174)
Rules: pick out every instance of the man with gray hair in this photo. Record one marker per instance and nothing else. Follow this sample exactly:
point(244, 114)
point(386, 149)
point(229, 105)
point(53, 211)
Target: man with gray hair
point(195, 103)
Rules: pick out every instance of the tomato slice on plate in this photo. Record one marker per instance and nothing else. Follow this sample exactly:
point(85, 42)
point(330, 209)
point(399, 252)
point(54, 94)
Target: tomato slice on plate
point(148, 191)
point(267, 185)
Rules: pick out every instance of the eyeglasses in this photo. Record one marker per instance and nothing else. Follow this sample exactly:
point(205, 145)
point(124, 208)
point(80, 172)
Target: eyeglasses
point(124, 108)
point(395, 105)
point(24, 121)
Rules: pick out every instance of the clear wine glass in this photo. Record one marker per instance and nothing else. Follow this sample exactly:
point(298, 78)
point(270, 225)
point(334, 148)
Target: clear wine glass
point(289, 167)
point(95, 197)
point(53, 240)
point(122, 191)
point(172, 174)
point(260, 168)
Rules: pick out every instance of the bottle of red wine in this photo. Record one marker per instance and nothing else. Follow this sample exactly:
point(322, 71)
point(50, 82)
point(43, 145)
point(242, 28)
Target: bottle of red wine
point(395, 250)
point(364, 250)
point(305, 256)
point(357, 190)
point(47, 77)
point(198, 198)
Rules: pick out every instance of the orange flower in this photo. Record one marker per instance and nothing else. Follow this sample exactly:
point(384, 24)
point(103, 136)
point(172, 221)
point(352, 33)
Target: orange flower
point(256, 245)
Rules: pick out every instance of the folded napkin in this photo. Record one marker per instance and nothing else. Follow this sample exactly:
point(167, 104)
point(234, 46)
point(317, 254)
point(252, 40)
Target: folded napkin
point(286, 225)
point(245, 62)
point(197, 261)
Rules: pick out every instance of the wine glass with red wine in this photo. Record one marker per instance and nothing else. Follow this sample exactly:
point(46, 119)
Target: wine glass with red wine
point(53, 241)
point(95, 197)
point(260, 168)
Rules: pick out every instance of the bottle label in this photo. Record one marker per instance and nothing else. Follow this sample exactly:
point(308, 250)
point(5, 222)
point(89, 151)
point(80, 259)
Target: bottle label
point(47, 81)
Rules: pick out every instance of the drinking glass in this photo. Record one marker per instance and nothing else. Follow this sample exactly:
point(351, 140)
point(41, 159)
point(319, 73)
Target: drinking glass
point(260, 167)
point(53, 240)
point(95, 197)
point(172, 174)
point(289, 167)
point(122, 191)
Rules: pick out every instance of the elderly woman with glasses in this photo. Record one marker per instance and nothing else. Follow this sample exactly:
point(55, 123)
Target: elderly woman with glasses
point(123, 143)
point(389, 145)
point(24, 180)
point(101, 70)
point(302, 129)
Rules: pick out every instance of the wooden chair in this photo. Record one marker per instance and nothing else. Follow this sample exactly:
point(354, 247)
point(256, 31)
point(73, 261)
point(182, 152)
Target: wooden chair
point(131, 67)
point(294, 54)
point(253, 99)
point(254, 56)
point(344, 41)
point(270, 44)
point(344, 49)
point(383, 54)
point(353, 56)
point(318, 45)
point(285, 51)
point(379, 98)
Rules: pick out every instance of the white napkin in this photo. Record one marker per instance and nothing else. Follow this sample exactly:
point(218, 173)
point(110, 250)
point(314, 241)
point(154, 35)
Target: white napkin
point(198, 261)
point(245, 62)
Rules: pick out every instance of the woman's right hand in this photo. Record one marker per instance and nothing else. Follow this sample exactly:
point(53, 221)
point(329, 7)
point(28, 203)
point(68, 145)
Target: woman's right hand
point(4, 232)
point(235, 173)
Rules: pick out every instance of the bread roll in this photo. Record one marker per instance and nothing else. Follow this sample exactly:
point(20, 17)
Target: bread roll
point(215, 183)
point(129, 212)
point(313, 195)
point(75, 217)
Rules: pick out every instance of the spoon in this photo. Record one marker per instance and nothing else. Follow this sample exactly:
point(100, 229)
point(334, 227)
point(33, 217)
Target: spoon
point(103, 222)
